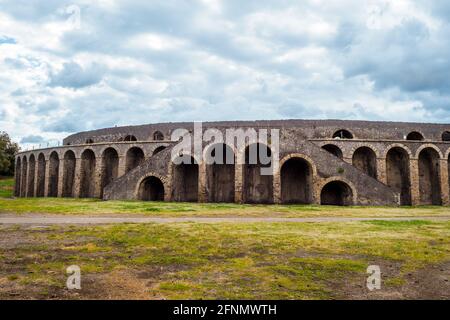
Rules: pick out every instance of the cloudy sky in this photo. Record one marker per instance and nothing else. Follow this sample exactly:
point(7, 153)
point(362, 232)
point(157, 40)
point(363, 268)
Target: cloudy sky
point(68, 66)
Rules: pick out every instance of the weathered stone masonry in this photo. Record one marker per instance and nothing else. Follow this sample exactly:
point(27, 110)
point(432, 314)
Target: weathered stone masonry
point(321, 162)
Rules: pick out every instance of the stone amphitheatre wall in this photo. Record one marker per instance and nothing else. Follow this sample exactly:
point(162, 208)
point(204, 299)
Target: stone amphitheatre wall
point(329, 162)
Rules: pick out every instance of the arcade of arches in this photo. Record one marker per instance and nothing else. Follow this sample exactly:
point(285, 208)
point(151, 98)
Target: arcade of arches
point(57, 175)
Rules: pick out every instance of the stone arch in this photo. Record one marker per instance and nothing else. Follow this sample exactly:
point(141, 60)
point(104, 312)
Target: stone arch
point(415, 136)
point(158, 150)
point(429, 177)
point(53, 174)
point(23, 189)
point(257, 188)
point(87, 174)
point(134, 157)
point(334, 150)
point(431, 146)
point(18, 172)
point(296, 176)
point(69, 173)
point(337, 192)
point(40, 188)
point(110, 167)
point(446, 136)
point(220, 172)
point(31, 174)
point(129, 138)
point(158, 136)
point(151, 188)
point(185, 179)
point(343, 134)
point(398, 173)
point(365, 159)
point(398, 145)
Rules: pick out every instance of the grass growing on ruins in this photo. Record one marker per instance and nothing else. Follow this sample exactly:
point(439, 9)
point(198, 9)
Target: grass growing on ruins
point(223, 260)
point(96, 206)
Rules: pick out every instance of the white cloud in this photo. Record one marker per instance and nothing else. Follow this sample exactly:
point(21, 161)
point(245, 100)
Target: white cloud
point(133, 62)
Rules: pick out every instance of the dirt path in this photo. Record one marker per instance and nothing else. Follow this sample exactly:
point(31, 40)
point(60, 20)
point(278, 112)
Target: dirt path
point(42, 219)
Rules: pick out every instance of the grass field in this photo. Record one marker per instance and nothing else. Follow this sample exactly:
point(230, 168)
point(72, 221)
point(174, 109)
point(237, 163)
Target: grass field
point(95, 206)
point(227, 260)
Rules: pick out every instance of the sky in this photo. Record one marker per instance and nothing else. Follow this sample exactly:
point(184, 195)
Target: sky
point(70, 66)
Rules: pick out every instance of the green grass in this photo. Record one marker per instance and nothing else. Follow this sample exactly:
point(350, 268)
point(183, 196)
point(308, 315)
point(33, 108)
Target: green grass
point(226, 260)
point(96, 206)
point(6, 187)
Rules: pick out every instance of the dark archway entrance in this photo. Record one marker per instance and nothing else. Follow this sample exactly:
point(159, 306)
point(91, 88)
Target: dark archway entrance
point(151, 189)
point(18, 177)
point(220, 173)
point(69, 174)
point(185, 180)
point(258, 188)
point(415, 136)
point(336, 193)
point(31, 174)
point(110, 167)
point(334, 150)
point(53, 175)
point(397, 173)
point(40, 191)
point(23, 190)
point(296, 181)
point(87, 179)
point(429, 177)
point(343, 134)
point(135, 156)
point(365, 160)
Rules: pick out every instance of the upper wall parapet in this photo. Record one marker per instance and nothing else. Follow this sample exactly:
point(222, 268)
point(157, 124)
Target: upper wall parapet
point(307, 129)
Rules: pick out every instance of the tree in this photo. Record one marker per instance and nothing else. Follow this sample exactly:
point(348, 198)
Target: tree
point(8, 150)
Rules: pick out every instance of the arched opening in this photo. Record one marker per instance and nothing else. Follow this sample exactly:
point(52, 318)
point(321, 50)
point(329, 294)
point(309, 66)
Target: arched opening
point(158, 135)
point(185, 180)
point(397, 174)
point(258, 187)
point(220, 173)
point(23, 190)
point(130, 138)
point(31, 174)
point(415, 136)
point(40, 190)
point(446, 136)
point(159, 149)
point(89, 141)
point(336, 193)
point(296, 181)
point(18, 173)
point(69, 173)
point(110, 167)
point(53, 175)
point(343, 134)
point(429, 181)
point(365, 160)
point(151, 189)
point(135, 156)
point(87, 179)
point(334, 150)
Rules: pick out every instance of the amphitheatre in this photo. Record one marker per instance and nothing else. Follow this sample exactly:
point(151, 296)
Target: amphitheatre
point(329, 162)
